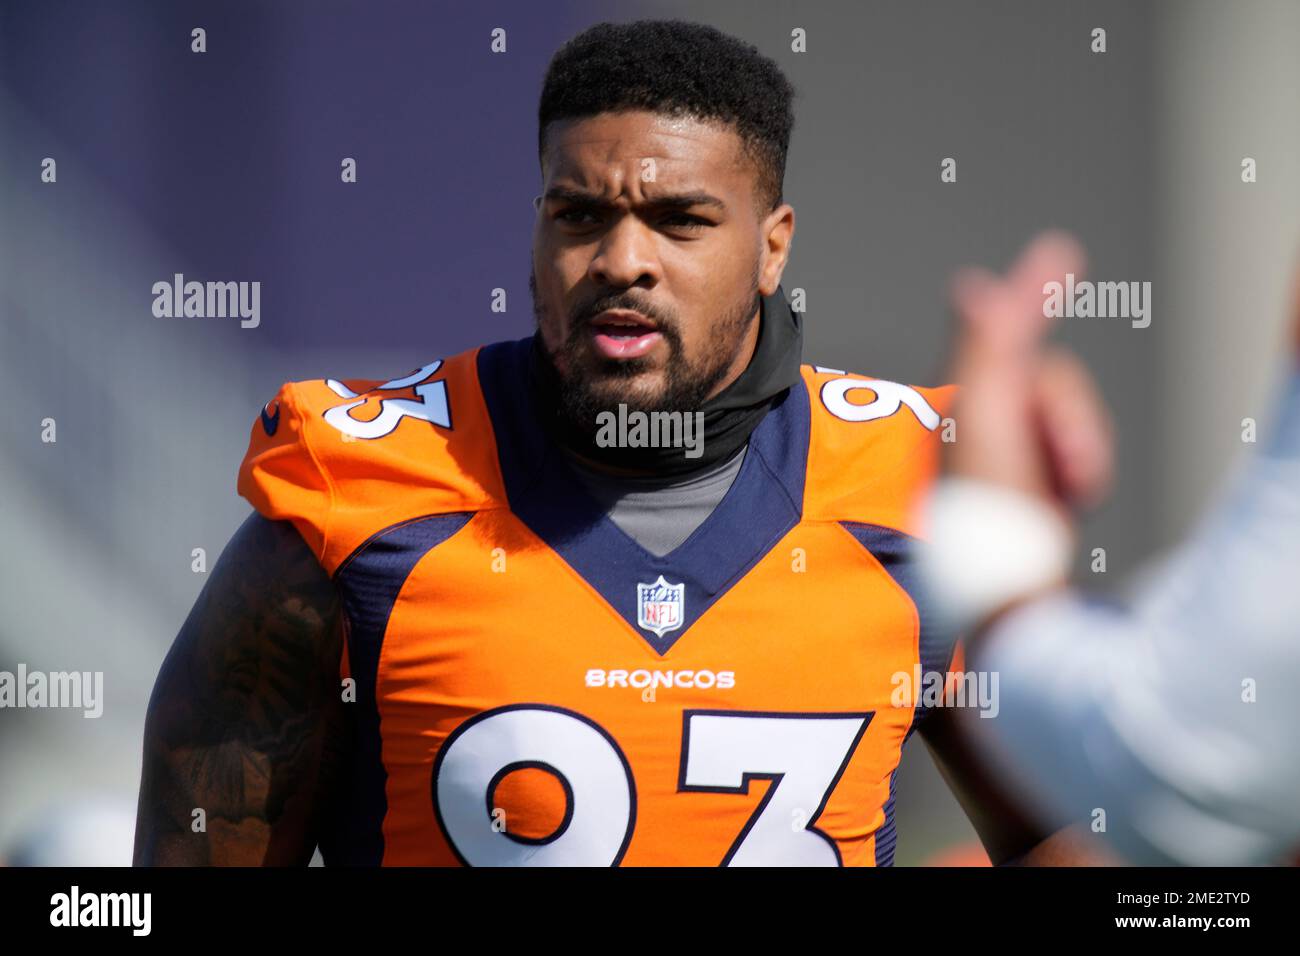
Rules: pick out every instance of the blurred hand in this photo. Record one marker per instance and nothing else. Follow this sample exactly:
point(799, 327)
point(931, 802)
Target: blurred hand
point(1029, 417)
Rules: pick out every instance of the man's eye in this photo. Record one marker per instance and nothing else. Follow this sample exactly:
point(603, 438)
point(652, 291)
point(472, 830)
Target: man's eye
point(576, 217)
point(680, 220)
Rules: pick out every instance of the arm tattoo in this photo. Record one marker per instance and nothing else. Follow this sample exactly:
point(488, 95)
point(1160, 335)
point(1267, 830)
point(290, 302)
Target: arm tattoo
point(247, 711)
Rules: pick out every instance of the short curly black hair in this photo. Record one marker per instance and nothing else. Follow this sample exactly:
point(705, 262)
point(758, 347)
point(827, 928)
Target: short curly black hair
point(678, 68)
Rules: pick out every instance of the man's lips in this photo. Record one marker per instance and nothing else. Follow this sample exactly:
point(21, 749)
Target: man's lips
point(623, 334)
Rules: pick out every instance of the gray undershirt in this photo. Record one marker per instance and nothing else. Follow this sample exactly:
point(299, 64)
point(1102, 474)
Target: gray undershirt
point(657, 513)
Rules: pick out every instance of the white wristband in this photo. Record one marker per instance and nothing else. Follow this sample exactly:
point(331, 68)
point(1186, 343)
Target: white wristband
point(984, 546)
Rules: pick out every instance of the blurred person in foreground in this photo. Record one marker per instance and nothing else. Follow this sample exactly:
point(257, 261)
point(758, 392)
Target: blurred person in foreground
point(1169, 722)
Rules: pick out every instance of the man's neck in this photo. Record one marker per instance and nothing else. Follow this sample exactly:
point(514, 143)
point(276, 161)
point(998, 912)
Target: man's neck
point(769, 366)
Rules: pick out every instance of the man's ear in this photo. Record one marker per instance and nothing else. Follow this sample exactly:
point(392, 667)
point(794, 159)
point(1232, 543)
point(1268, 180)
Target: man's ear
point(537, 202)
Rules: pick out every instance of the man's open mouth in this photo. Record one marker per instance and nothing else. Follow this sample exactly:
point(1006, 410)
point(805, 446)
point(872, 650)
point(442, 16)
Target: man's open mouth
point(623, 334)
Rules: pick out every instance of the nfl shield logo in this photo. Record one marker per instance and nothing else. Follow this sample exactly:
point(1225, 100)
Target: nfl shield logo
point(661, 606)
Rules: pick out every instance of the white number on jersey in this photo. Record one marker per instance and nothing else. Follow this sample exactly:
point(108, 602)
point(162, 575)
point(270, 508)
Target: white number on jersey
point(890, 396)
point(803, 754)
point(431, 406)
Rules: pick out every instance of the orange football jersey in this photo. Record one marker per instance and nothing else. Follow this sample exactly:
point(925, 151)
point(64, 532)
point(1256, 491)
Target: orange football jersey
point(534, 688)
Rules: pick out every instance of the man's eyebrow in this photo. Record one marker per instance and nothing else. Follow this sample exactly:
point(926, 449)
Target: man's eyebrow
point(685, 200)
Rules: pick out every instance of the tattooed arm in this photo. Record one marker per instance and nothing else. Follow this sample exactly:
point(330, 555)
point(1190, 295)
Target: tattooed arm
point(245, 716)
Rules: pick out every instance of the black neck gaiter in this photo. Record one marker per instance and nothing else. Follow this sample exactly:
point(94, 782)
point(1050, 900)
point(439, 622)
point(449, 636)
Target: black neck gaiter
point(729, 417)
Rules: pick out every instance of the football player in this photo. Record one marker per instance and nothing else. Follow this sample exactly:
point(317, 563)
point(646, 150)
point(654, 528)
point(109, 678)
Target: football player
point(504, 609)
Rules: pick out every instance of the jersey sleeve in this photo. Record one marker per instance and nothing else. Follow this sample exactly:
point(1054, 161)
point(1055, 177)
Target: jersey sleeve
point(281, 477)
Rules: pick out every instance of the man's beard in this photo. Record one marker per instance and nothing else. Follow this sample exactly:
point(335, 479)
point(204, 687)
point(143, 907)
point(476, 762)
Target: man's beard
point(586, 391)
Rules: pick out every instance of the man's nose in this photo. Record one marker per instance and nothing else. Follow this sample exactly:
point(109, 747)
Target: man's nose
point(626, 256)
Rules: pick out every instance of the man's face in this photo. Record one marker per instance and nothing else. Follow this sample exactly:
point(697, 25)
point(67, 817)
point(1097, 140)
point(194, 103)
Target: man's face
point(649, 258)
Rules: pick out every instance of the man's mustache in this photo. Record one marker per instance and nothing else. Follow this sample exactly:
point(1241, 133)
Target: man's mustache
point(583, 317)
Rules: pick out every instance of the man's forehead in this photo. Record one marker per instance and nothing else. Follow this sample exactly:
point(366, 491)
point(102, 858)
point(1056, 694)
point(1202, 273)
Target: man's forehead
point(676, 142)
